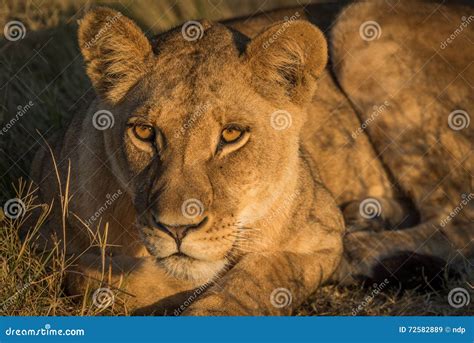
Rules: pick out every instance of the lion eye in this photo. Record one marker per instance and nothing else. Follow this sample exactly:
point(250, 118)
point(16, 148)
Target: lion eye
point(144, 132)
point(231, 135)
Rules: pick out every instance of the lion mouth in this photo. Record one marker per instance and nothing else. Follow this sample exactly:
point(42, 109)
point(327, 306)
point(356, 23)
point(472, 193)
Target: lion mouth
point(189, 261)
point(183, 266)
point(182, 255)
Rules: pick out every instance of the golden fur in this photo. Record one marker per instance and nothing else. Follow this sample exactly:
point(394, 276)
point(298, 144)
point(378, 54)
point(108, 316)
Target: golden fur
point(268, 207)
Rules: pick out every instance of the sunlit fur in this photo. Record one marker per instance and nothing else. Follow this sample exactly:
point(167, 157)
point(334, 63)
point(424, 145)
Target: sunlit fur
point(271, 221)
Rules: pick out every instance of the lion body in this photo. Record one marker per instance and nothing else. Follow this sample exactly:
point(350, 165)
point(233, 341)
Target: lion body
point(274, 206)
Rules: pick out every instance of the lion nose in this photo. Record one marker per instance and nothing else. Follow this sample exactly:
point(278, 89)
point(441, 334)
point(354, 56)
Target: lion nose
point(177, 232)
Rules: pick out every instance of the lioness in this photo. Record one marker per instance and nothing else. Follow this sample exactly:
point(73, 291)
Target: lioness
point(225, 156)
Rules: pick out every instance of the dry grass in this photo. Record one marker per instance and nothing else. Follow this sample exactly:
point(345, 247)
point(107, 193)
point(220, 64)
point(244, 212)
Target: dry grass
point(46, 68)
point(33, 279)
point(32, 283)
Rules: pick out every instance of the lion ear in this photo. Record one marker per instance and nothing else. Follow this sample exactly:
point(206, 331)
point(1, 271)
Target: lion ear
point(115, 50)
point(286, 60)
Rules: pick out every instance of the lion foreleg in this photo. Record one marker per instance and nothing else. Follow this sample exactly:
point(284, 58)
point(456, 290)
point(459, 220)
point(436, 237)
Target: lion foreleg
point(141, 282)
point(267, 284)
point(368, 254)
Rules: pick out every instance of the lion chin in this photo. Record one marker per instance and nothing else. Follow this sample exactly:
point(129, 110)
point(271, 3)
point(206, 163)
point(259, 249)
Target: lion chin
point(184, 267)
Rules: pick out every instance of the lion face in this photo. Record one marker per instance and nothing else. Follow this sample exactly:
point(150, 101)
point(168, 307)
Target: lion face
point(206, 134)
